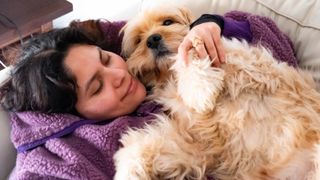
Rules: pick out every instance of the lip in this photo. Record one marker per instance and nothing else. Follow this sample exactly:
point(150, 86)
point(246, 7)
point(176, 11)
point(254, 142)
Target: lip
point(131, 87)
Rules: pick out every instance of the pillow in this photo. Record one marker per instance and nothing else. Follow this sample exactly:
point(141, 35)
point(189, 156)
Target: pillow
point(7, 151)
point(4, 75)
point(298, 19)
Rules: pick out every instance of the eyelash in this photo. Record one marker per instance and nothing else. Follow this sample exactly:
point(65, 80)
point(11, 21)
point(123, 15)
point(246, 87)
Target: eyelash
point(105, 60)
point(137, 41)
point(99, 88)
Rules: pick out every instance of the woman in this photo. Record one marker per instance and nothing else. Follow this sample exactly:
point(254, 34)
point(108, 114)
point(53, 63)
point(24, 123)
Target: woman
point(71, 100)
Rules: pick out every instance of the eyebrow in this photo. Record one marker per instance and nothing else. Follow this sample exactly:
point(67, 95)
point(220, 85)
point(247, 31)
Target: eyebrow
point(90, 81)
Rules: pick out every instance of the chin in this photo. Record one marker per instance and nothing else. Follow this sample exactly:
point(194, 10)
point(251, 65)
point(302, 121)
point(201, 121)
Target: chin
point(140, 94)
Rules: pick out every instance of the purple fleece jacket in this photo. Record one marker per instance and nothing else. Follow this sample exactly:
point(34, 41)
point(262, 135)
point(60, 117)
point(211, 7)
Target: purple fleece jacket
point(63, 146)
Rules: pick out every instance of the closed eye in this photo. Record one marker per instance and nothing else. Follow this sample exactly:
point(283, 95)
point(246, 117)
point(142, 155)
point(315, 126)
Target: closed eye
point(99, 88)
point(137, 41)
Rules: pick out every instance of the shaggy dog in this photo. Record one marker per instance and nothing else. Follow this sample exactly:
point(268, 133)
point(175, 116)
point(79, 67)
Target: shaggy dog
point(253, 118)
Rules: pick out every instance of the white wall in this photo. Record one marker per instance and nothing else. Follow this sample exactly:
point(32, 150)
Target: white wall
point(122, 9)
point(95, 9)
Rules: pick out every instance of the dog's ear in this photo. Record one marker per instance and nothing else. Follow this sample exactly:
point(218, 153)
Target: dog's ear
point(186, 14)
point(128, 41)
point(125, 42)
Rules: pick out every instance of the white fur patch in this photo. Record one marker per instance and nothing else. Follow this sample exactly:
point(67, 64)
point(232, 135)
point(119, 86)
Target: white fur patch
point(198, 83)
point(315, 173)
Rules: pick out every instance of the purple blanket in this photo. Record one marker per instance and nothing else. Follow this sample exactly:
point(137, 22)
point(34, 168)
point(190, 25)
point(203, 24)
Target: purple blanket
point(61, 146)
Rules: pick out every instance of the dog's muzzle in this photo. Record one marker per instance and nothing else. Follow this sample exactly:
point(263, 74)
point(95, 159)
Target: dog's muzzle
point(157, 45)
point(154, 41)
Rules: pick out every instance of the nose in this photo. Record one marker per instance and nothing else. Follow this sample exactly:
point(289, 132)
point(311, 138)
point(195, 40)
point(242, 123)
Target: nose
point(153, 41)
point(119, 78)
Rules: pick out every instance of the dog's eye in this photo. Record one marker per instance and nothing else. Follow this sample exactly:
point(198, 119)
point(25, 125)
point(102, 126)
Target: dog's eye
point(137, 41)
point(167, 22)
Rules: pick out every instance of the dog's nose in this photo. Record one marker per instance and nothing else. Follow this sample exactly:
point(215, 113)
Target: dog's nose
point(153, 41)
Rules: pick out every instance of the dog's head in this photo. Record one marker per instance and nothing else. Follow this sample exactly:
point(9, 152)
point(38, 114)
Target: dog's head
point(151, 39)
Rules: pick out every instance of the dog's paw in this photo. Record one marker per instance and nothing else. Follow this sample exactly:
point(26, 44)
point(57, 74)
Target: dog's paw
point(130, 164)
point(134, 161)
point(198, 83)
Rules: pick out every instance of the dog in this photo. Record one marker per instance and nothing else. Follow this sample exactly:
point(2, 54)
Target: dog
point(253, 118)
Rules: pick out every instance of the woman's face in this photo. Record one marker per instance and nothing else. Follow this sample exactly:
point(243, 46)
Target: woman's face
point(105, 87)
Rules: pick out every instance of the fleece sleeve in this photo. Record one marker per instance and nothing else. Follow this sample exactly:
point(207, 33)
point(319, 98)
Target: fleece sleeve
point(230, 28)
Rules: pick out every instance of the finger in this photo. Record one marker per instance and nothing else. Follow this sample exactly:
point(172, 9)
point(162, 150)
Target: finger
point(201, 51)
point(211, 49)
point(199, 46)
point(183, 50)
point(220, 52)
point(214, 56)
point(221, 55)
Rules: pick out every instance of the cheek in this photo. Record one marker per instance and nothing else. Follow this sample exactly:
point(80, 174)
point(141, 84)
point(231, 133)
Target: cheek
point(118, 108)
point(110, 106)
point(118, 62)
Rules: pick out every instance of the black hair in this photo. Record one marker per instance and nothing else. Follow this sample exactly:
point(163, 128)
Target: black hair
point(40, 81)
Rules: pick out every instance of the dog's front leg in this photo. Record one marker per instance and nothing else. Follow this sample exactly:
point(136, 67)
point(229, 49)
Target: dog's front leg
point(198, 83)
point(134, 160)
point(159, 151)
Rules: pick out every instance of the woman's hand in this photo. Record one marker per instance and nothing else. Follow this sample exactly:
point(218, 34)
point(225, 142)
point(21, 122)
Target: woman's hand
point(206, 40)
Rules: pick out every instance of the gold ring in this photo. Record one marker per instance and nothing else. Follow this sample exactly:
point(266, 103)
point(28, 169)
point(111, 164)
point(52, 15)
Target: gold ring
point(197, 41)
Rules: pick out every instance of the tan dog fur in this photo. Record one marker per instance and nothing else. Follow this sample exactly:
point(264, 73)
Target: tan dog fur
point(253, 118)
